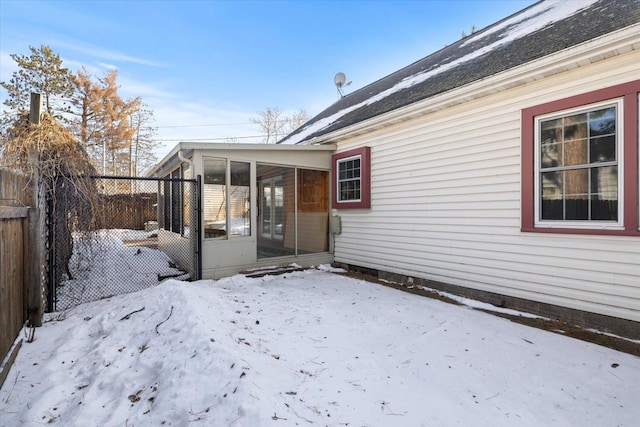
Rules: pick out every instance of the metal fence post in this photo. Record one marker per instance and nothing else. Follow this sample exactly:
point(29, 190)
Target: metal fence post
point(198, 226)
point(51, 250)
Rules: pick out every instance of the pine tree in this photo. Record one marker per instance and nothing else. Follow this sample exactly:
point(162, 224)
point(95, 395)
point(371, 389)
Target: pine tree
point(115, 132)
point(41, 72)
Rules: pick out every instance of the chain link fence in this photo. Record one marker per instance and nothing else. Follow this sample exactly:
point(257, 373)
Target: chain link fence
point(134, 233)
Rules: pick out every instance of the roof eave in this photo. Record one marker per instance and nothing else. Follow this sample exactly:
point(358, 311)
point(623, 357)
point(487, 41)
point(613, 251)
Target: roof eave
point(188, 148)
point(595, 50)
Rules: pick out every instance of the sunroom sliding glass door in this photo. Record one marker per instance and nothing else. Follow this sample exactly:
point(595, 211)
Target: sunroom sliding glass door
point(276, 210)
point(293, 211)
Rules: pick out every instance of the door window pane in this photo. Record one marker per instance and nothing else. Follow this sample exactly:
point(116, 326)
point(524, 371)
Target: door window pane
point(313, 211)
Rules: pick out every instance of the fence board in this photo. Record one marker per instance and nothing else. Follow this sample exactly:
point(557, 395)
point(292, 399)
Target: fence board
point(12, 280)
point(14, 189)
point(128, 211)
point(15, 197)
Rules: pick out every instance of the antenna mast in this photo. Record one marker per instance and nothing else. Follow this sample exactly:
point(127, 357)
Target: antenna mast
point(339, 81)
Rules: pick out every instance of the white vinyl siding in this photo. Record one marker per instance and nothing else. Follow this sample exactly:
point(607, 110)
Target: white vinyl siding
point(445, 205)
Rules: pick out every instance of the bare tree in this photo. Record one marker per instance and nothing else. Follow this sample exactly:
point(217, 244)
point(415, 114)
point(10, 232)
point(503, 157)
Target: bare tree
point(275, 124)
point(115, 113)
point(270, 123)
point(104, 120)
point(141, 151)
point(86, 99)
point(295, 120)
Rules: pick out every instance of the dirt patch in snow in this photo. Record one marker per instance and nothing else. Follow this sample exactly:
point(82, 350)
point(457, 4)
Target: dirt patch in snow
point(555, 326)
point(574, 331)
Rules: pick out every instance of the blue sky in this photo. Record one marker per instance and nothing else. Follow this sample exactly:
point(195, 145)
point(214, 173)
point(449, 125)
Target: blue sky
point(206, 67)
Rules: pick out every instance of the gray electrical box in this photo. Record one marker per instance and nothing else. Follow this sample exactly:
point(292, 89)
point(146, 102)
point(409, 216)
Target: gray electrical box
point(336, 224)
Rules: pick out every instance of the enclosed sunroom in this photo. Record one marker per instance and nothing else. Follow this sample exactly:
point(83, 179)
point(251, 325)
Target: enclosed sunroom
point(260, 205)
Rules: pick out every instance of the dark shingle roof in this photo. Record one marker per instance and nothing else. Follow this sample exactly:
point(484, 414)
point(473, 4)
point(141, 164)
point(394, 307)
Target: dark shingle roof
point(502, 53)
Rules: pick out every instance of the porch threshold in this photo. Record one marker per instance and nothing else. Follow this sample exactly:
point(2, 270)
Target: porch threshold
point(270, 271)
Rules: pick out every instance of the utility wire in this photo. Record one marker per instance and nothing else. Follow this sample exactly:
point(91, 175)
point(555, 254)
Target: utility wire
point(223, 138)
point(211, 125)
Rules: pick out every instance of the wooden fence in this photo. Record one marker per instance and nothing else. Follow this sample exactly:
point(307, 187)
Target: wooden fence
point(128, 211)
point(15, 198)
point(15, 189)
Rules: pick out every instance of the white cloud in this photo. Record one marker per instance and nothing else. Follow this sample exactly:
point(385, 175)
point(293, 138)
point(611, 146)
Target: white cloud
point(104, 54)
point(131, 87)
point(108, 66)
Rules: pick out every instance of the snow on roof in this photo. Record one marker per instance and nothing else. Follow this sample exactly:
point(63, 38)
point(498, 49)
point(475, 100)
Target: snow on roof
point(532, 19)
point(319, 125)
point(526, 22)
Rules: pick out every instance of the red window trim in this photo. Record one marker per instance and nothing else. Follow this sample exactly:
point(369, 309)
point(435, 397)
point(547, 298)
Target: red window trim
point(365, 179)
point(629, 93)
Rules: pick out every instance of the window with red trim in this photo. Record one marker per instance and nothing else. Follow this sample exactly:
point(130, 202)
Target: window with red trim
point(580, 163)
point(351, 179)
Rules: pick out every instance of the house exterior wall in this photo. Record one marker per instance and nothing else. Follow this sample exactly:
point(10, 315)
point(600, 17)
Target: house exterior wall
point(446, 205)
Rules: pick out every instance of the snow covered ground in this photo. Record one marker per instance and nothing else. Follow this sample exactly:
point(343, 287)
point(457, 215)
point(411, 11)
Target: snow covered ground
point(102, 265)
point(308, 348)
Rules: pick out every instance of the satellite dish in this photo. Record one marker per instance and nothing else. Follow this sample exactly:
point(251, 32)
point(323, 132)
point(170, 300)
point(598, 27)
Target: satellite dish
point(339, 81)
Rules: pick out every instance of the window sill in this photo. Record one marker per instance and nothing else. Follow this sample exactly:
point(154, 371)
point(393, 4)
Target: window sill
point(581, 225)
point(564, 229)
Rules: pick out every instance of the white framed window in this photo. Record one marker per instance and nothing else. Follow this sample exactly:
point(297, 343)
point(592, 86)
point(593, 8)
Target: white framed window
point(351, 171)
point(579, 167)
point(349, 182)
